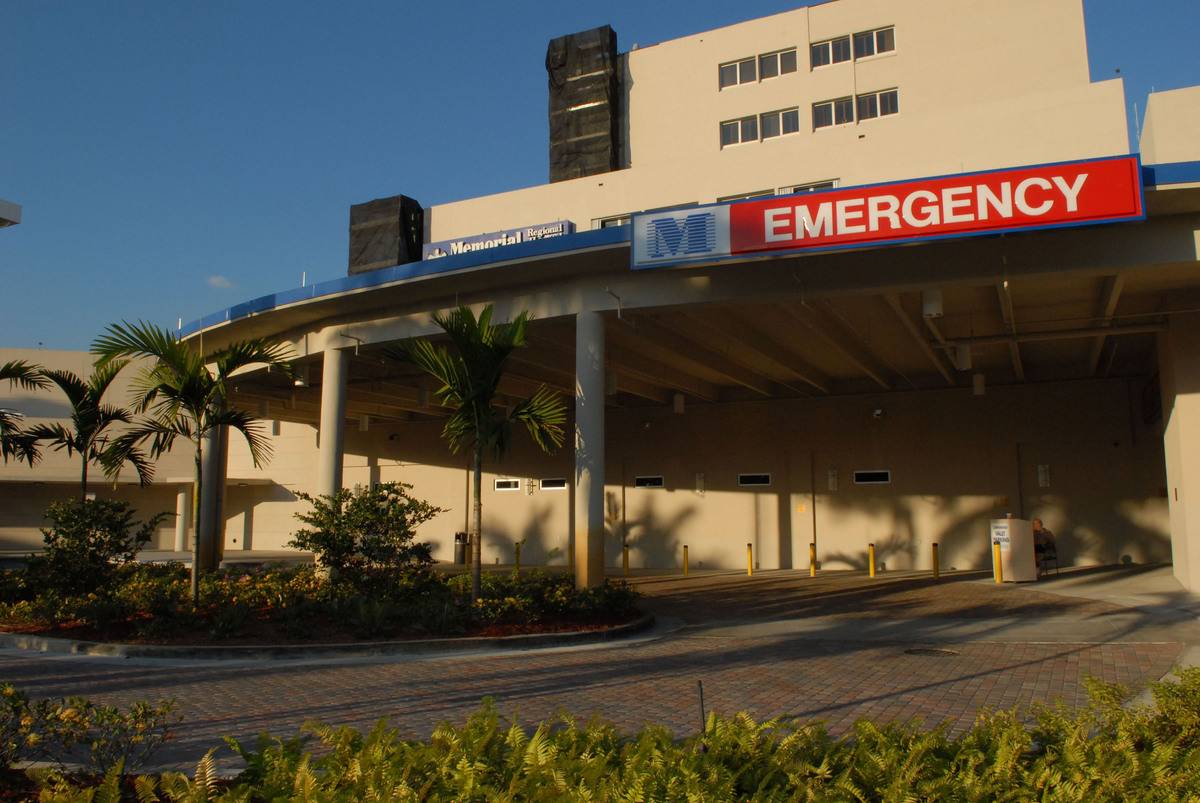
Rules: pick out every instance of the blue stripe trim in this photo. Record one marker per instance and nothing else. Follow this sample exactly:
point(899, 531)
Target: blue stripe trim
point(1171, 173)
point(613, 235)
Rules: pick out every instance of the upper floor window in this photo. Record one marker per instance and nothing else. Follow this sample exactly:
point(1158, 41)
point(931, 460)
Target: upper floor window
point(743, 130)
point(812, 186)
point(739, 72)
point(757, 68)
point(746, 196)
point(833, 112)
point(610, 222)
point(880, 40)
point(831, 51)
point(773, 64)
point(868, 105)
point(774, 124)
point(878, 104)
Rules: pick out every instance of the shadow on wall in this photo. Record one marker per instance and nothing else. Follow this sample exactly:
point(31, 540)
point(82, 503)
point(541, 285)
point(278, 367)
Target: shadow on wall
point(1094, 533)
point(539, 546)
point(653, 539)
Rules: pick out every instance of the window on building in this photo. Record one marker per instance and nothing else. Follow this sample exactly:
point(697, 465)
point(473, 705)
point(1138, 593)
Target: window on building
point(743, 130)
point(841, 49)
point(868, 43)
point(878, 104)
point(833, 112)
point(812, 186)
point(649, 481)
point(728, 73)
point(609, 222)
point(554, 484)
point(774, 124)
point(507, 485)
point(773, 64)
point(873, 477)
point(747, 480)
point(818, 55)
point(744, 71)
point(745, 196)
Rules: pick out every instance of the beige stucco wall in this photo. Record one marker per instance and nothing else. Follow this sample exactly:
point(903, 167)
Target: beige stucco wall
point(1179, 366)
point(957, 460)
point(25, 492)
point(982, 85)
point(1170, 133)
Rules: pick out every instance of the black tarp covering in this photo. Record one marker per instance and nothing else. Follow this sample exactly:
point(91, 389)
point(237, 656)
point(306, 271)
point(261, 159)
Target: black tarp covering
point(385, 232)
point(582, 68)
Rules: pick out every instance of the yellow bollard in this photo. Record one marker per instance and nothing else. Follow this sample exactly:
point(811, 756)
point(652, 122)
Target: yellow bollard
point(685, 561)
point(625, 558)
point(871, 558)
point(749, 560)
point(812, 559)
point(999, 567)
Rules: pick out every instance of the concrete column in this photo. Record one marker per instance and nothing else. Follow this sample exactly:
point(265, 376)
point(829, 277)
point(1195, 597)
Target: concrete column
point(183, 517)
point(333, 421)
point(1179, 372)
point(212, 496)
point(589, 449)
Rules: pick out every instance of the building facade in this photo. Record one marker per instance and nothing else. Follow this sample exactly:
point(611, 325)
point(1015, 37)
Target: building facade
point(1027, 352)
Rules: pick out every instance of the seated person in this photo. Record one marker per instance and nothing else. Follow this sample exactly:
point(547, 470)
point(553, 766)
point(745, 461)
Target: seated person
point(1043, 542)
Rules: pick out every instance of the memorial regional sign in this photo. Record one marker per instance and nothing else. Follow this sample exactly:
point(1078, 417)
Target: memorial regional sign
point(497, 239)
point(1045, 196)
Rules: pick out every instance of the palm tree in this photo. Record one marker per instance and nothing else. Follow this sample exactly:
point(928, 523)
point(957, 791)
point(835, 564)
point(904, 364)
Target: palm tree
point(91, 420)
point(13, 442)
point(179, 396)
point(469, 375)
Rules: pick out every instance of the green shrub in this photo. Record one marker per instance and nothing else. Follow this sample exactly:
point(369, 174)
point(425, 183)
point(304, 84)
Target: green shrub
point(1102, 752)
point(538, 596)
point(74, 731)
point(86, 543)
point(364, 528)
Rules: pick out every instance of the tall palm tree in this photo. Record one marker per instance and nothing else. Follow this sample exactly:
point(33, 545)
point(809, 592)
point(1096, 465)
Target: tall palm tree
point(179, 396)
point(13, 442)
point(91, 420)
point(469, 374)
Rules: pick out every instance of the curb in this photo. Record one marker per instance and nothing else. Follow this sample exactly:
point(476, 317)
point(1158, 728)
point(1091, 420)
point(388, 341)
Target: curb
point(62, 646)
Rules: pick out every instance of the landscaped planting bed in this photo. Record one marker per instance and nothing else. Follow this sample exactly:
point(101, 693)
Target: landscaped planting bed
point(1103, 752)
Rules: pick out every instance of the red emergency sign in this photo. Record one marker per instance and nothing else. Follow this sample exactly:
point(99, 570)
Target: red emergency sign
point(1029, 197)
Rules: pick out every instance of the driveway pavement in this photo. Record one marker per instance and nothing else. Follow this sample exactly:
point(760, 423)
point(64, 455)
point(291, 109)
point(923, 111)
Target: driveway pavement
point(779, 644)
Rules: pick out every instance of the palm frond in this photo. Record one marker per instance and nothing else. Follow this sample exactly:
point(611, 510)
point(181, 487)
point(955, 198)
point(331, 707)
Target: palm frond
point(22, 374)
point(543, 415)
point(256, 351)
point(57, 436)
point(72, 386)
point(103, 376)
point(15, 443)
point(250, 427)
point(143, 339)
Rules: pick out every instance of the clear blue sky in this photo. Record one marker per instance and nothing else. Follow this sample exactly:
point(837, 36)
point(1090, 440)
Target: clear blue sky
point(173, 159)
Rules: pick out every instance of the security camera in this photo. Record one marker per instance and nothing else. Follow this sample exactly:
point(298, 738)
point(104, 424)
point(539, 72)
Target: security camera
point(877, 413)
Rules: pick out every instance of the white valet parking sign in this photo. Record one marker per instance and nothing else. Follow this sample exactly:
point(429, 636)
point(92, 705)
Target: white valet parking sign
point(1017, 557)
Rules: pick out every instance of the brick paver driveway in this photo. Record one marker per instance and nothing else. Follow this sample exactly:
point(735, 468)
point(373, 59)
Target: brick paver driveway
point(768, 671)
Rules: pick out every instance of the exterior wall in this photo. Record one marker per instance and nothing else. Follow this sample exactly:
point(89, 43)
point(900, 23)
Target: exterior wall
point(982, 85)
point(957, 461)
point(25, 493)
point(1179, 367)
point(1172, 120)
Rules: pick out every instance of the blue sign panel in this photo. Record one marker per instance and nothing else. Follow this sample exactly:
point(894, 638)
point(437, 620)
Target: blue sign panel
point(497, 239)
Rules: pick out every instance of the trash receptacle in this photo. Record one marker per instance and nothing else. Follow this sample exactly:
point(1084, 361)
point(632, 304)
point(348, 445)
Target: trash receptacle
point(460, 548)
